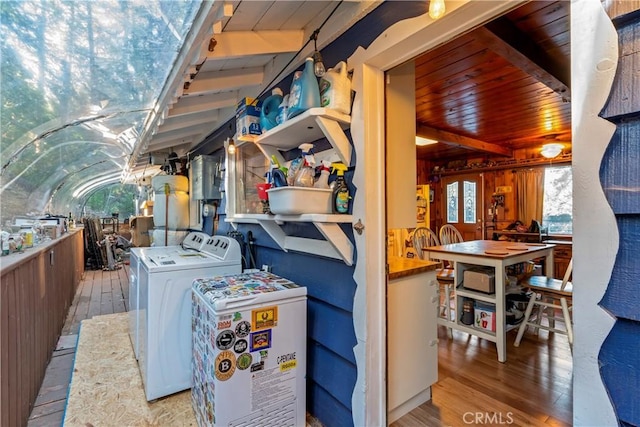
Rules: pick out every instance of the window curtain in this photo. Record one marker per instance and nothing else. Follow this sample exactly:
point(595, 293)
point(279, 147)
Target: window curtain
point(529, 194)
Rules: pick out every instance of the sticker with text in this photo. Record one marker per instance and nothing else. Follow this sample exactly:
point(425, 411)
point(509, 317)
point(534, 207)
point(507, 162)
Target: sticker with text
point(225, 365)
point(287, 362)
point(260, 340)
point(265, 317)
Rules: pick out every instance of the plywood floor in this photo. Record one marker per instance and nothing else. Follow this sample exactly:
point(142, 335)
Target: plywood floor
point(533, 387)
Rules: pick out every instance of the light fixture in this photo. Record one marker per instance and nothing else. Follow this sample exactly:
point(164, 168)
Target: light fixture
point(436, 9)
point(231, 147)
point(425, 141)
point(552, 150)
point(318, 66)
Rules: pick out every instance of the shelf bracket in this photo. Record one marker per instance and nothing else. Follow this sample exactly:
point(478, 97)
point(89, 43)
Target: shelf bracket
point(336, 137)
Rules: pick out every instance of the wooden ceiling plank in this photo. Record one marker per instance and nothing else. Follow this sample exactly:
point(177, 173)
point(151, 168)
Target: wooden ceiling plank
point(220, 81)
point(189, 120)
point(453, 139)
point(239, 44)
point(521, 60)
point(195, 104)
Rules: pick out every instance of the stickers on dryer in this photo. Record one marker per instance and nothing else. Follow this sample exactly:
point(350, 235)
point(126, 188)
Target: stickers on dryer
point(244, 361)
point(225, 339)
point(287, 362)
point(242, 329)
point(225, 365)
point(265, 317)
point(240, 346)
point(260, 340)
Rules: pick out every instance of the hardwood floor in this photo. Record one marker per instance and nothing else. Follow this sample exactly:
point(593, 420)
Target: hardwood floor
point(533, 387)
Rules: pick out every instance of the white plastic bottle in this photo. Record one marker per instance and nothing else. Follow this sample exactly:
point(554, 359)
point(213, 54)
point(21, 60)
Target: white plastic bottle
point(323, 181)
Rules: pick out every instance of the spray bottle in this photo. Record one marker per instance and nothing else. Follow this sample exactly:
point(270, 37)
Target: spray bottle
point(323, 181)
point(307, 173)
point(340, 190)
point(298, 163)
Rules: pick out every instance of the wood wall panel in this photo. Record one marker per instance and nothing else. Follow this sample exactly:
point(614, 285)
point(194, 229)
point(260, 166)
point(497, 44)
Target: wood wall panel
point(35, 296)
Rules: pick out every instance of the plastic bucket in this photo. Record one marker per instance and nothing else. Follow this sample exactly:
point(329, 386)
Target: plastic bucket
point(262, 190)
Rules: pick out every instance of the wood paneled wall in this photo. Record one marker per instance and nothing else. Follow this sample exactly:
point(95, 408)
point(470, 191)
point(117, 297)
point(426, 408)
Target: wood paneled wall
point(494, 177)
point(35, 296)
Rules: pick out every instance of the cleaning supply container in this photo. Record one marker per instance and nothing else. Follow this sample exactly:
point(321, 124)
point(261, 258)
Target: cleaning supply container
point(335, 89)
point(304, 93)
point(283, 110)
point(340, 190)
point(269, 110)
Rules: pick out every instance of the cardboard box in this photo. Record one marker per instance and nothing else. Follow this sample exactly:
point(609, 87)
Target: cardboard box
point(248, 117)
point(141, 226)
point(480, 279)
point(484, 316)
point(51, 231)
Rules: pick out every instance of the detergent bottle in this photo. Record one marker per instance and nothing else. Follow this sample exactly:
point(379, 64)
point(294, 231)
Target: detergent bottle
point(304, 93)
point(335, 89)
point(323, 181)
point(269, 110)
point(340, 190)
point(283, 109)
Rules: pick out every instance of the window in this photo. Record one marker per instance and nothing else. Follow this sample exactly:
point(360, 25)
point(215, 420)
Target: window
point(558, 200)
point(468, 201)
point(452, 202)
point(251, 167)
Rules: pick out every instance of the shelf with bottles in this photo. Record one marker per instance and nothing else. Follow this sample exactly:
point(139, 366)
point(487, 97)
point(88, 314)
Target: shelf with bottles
point(336, 244)
point(309, 126)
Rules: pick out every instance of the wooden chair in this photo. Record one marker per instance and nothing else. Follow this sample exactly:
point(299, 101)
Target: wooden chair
point(450, 234)
point(547, 296)
point(424, 237)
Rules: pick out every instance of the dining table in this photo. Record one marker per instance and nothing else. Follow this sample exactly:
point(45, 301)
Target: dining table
point(496, 254)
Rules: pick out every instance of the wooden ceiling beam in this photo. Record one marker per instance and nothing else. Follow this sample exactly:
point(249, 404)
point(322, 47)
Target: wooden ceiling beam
point(522, 53)
point(455, 140)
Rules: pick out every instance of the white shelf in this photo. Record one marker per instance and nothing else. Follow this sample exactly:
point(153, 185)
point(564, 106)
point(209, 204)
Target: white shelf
point(309, 126)
point(468, 293)
point(336, 244)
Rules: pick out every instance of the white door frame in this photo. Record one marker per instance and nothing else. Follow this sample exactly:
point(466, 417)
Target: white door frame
point(397, 44)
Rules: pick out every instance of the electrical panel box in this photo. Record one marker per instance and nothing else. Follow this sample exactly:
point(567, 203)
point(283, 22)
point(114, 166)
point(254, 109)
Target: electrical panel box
point(205, 178)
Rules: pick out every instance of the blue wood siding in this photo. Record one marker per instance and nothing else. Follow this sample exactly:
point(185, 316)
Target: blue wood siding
point(619, 357)
point(331, 367)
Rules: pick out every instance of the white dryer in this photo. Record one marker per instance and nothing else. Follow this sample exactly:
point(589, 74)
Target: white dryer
point(165, 275)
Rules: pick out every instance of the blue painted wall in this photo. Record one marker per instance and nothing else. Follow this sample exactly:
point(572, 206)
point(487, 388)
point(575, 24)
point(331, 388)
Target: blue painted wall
point(619, 356)
point(331, 366)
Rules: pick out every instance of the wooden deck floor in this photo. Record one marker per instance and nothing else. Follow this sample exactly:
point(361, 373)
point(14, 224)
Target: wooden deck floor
point(99, 292)
point(534, 386)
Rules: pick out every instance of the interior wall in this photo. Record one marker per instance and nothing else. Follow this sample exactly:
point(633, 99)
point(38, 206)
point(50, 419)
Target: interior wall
point(494, 177)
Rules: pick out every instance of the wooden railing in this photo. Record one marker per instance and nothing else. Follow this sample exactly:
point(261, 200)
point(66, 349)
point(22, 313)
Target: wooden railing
point(36, 291)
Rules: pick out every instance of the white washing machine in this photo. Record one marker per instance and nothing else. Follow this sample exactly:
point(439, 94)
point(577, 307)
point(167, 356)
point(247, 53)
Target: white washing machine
point(163, 313)
point(194, 241)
